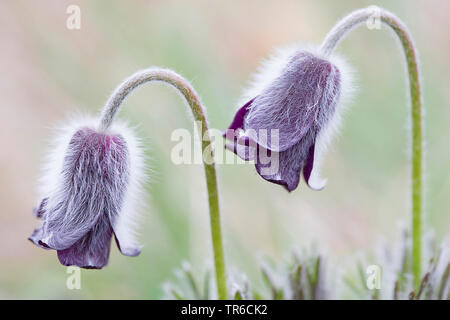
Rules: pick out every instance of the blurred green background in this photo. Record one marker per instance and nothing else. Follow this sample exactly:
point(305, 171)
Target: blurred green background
point(49, 72)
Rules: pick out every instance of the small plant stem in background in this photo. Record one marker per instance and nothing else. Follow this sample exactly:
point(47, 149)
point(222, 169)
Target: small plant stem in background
point(154, 74)
point(342, 28)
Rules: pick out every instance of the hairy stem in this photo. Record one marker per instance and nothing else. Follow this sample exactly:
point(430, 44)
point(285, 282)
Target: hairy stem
point(112, 106)
point(369, 16)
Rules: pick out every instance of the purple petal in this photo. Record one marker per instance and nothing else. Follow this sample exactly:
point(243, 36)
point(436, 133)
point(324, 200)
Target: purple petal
point(244, 147)
point(92, 250)
point(35, 238)
point(307, 170)
point(284, 167)
point(291, 104)
point(238, 121)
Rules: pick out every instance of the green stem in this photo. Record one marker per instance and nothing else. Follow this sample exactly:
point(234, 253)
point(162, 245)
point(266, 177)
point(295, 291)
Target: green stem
point(341, 29)
point(182, 85)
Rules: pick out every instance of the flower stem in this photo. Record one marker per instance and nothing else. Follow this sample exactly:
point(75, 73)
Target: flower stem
point(336, 34)
point(182, 85)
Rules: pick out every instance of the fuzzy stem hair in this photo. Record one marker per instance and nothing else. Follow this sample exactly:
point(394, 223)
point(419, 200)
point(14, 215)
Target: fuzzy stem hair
point(339, 31)
point(183, 86)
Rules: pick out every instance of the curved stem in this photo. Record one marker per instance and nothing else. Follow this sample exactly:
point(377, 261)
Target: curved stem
point(339, 31)
point(112, 106)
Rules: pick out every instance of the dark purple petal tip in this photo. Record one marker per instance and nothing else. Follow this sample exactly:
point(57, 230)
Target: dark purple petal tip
point(36, 237)
point(92, 250)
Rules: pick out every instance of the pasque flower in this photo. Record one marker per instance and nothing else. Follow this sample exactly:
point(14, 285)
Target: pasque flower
point(94, 180)
point(288, 115)
point(88, 195)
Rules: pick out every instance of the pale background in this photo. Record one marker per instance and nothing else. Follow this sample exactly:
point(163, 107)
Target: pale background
point(49, 72)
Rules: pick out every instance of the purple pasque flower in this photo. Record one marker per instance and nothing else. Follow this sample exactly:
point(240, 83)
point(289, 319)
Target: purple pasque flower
point(286, 119)
point(88, 196)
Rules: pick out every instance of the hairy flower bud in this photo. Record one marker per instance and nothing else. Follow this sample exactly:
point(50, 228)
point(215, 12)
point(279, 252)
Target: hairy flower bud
point(286, 115)
point(84, 204)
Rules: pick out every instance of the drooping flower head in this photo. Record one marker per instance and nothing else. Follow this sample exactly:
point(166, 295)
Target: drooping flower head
point(88, 191)
point(287, 117)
